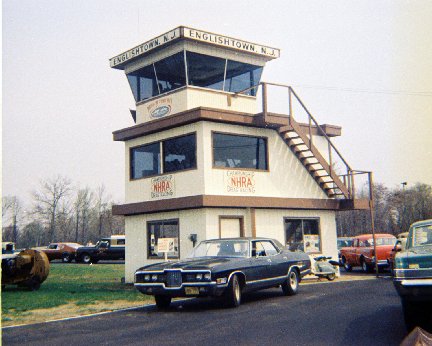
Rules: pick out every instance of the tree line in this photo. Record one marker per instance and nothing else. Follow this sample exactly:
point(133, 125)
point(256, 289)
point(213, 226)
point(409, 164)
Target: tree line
point(60, 212)
point(394, 210)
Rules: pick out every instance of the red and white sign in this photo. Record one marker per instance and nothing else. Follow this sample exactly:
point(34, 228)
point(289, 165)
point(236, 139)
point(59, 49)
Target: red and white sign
point(163, 186)
point(240, 182)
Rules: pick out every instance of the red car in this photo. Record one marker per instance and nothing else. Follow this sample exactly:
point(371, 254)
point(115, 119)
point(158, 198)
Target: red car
point(64, 251)
point(361, 252)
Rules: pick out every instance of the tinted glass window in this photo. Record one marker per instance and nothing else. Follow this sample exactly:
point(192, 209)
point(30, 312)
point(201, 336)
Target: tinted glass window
point(145, 161)
point(143, 83)
point(170, 73)
point(179, 153)
point(303, 235)
point(205, 71)
point(162, 229)
point(234, 151)
point(240, 76)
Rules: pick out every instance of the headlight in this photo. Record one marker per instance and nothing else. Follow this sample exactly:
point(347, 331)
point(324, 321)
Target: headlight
point(147, 277)
point(154, 277)
point(199, 276)
point(221, 281)
point(207, 276)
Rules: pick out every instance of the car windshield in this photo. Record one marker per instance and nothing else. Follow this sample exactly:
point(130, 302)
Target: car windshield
point(422, 235)
point(344, 243)
point(221, 248)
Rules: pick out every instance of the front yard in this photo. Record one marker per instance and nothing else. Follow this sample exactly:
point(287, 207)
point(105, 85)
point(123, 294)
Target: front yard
point(70, 290)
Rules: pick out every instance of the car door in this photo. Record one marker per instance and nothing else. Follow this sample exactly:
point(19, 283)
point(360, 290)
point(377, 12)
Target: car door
point(258, 266)
point(276, 265)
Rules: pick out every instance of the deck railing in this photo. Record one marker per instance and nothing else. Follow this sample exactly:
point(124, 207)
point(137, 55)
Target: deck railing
point(334, 157)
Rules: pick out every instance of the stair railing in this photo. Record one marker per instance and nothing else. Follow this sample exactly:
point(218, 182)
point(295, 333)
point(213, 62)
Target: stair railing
point(349, 177)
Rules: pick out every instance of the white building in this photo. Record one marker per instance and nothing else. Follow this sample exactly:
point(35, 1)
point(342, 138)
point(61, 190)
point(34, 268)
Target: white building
point(207, 159)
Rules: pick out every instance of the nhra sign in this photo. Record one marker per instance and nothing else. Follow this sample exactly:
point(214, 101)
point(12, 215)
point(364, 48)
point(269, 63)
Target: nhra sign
point(163, 186)
point(240, 181)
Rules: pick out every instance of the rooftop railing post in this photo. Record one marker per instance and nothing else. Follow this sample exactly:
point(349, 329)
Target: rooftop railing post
point(290, 115)
point(264, 100)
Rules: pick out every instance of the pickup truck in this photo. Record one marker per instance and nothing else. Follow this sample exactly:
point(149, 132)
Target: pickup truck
point(112, 248)
point(361, 252)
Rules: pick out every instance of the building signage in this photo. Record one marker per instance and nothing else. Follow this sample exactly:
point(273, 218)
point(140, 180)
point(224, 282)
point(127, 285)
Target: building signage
point(163, 186)
point(160, 108)
point(230, 42)
point(197, 35)
point(145, 47)
point(240, 181)
point(166, 245)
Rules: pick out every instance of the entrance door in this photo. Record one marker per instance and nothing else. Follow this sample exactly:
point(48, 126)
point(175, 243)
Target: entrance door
point(230, 227)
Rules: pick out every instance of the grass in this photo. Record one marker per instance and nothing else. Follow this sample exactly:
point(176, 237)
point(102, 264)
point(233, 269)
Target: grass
point(70, 290)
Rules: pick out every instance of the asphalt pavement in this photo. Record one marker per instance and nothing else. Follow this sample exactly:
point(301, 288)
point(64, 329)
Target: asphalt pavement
point(361, 312)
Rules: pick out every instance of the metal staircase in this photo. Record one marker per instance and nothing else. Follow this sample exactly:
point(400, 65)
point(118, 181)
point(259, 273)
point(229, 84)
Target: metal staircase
point(300, 139)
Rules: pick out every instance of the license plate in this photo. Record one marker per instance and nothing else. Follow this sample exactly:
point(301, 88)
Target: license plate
point(191, 290)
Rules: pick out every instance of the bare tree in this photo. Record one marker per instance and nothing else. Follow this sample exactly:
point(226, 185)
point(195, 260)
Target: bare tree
point(47, 200)
point(101, 200)
point(11, 209)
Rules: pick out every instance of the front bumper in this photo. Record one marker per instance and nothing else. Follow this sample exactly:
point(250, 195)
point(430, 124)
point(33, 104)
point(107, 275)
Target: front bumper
point(185, 290)
point(414, 289)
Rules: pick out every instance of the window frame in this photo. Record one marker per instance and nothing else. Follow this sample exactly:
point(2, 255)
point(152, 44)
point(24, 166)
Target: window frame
point(267, 160)
point(162, 157)
point(318, 219)
point(148, 238)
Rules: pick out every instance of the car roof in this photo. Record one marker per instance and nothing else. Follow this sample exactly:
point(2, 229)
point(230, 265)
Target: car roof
point(239, 238)
point(422, 222)
point(379, 235)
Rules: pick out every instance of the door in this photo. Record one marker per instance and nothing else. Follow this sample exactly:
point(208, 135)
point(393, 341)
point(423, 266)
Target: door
point(230, 227)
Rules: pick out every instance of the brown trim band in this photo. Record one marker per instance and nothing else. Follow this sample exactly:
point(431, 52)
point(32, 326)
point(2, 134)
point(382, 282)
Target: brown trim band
point(214, 201)
point(214, 115)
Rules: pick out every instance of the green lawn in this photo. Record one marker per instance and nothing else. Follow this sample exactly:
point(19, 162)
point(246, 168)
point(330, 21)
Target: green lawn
point(75, 288)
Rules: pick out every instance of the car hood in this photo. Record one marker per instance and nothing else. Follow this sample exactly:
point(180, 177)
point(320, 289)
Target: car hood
point(192, 264)
point(421, 256)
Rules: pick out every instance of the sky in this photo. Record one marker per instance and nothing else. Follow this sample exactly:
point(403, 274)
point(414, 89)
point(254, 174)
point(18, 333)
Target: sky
point(363, 65)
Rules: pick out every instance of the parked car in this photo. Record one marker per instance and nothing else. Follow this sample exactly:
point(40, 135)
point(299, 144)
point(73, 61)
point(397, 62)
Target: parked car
point(64, 251)
point(343, 242)
point(413, 276)
point(225, 268)
point(112, 248)
point(361, 253)
point(400, 245)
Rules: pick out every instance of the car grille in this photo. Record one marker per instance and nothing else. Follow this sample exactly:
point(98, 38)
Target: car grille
point(174, 279)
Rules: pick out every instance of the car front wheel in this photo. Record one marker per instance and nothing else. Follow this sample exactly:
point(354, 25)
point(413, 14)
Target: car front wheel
point(365, 266)
point(86, 258)
point(233, 293)
point(347, 267)
point(290, 286)
point(162, 302)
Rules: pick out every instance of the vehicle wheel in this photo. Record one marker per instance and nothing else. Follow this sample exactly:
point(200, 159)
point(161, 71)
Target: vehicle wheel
point(331, 277)
point(162, 302)
point(233, 293)
point(34, 283)
point(66, 258)
point(347, 267)
point(290, 285)
point(365, 266)
point(85, 258)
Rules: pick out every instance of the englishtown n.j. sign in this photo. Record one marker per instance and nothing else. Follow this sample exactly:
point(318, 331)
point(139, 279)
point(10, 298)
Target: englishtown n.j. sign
point(197, 35)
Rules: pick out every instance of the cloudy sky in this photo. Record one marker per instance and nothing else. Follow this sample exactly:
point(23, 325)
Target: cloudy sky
point(363, 65)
